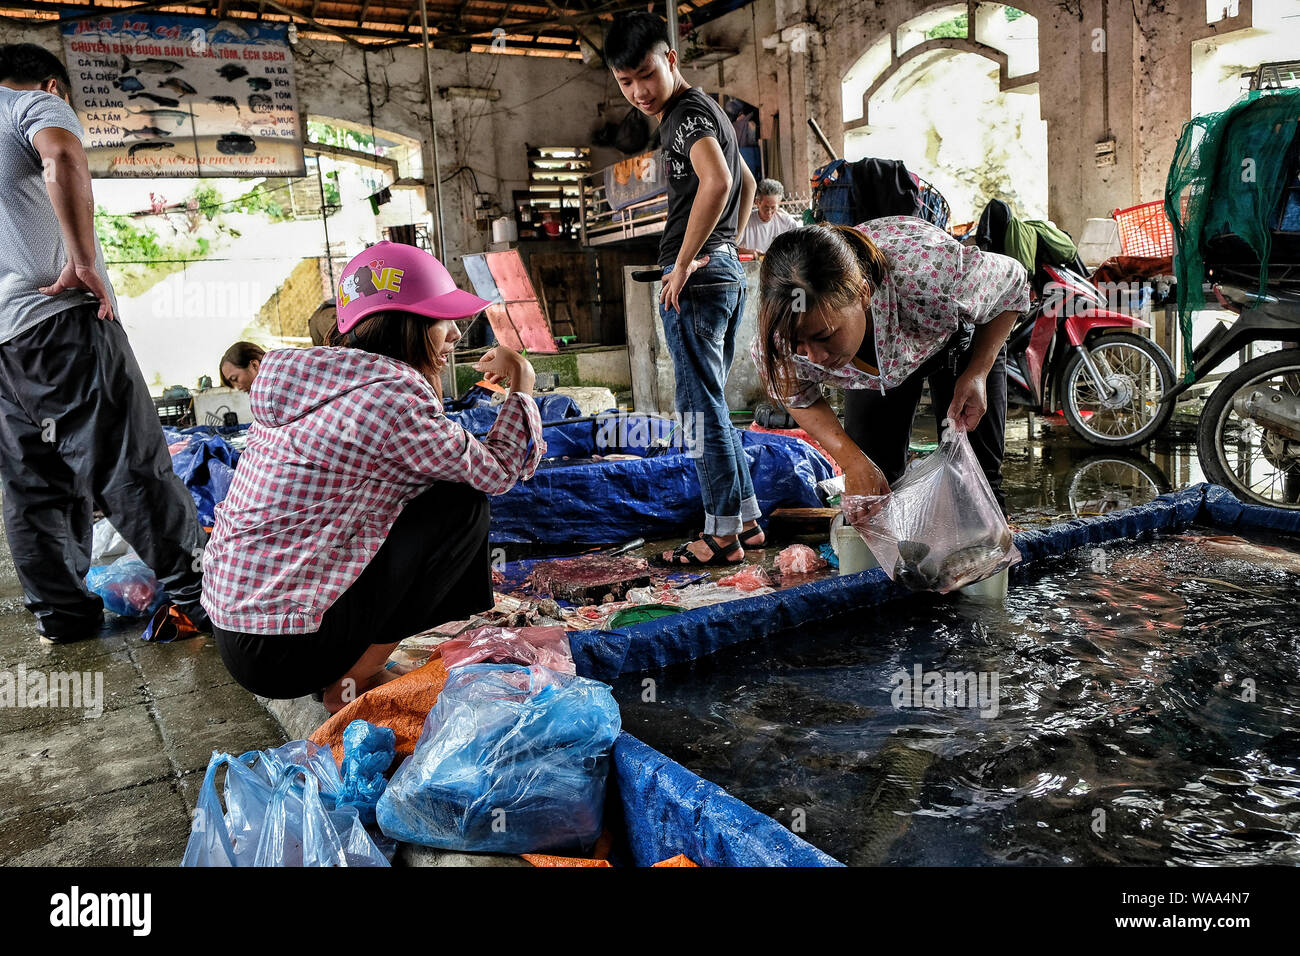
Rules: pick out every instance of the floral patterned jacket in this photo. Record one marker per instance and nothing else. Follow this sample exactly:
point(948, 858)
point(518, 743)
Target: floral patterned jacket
point(935, 284)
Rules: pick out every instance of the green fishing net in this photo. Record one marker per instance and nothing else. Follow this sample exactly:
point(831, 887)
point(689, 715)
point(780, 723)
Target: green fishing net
point(1227, 177)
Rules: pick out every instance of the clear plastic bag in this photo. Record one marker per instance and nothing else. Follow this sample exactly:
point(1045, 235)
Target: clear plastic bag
point(299, 830)
point(127, 587)
point(940, 528)
point(547, 646)
point(279, 811)
point(511, 760)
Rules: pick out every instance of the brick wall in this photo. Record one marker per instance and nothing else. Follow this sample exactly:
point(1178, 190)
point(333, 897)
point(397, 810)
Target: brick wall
point(286, 312)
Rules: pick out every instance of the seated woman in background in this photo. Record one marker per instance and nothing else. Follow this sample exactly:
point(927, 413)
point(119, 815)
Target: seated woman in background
point(359, 514)
point(240, 364)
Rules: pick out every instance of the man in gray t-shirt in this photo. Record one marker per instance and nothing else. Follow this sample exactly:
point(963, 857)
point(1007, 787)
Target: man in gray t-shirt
point(78, 428)
point(41, 279)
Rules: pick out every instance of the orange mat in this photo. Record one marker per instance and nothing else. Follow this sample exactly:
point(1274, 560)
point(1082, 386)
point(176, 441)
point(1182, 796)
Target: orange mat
point(401, 704)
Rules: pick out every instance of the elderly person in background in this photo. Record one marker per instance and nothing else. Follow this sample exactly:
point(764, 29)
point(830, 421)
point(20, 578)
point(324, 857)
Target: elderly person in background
point(770, 222)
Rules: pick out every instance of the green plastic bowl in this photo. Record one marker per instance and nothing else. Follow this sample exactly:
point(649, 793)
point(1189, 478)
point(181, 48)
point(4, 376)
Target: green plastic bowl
point(642, 613)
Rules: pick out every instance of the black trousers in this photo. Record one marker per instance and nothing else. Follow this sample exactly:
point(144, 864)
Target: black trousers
point(78, 430)
point(432, 568)
point(881, 425)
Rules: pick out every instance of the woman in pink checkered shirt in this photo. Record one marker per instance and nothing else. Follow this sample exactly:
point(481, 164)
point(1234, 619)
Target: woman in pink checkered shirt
point(358, 514)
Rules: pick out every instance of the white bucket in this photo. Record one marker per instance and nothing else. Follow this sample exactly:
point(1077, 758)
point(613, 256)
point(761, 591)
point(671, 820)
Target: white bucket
point(852, 551)
point(991, 590)
point(505, 229)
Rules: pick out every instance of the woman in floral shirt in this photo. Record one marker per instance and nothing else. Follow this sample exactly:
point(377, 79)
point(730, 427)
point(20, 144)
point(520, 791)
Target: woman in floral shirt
point(877, 310)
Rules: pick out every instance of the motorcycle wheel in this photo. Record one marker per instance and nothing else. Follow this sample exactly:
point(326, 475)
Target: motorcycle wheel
point(1114, 481)
point(1137, 366)
point(1234, 452)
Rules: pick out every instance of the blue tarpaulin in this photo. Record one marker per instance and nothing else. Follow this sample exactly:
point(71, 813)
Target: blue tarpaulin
point(206, 465)
point(610, 502)
point(475, 413)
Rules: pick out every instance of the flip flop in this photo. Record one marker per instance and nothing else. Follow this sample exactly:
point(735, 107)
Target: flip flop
point(683, 551)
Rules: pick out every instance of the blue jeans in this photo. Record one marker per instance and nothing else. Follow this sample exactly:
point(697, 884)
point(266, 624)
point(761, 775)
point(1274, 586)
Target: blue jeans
point(702, 339)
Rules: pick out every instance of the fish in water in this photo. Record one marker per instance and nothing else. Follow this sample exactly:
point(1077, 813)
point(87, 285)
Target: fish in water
point(259, 103)
point(178, 86)
point(128, 84)
point(151, 66)
point(150, 146)
point(259, 82)
point(884, 811)
point(177, 116)
point(145, 132)
point(226, 101)
point(160, 100)
point(234, 144)
point(230, 72)
point(1231, 546)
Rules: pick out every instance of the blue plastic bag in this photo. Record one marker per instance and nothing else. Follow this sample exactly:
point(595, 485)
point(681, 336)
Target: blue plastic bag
point(368, 752)
point(127, 587)
point(279, 811)
point(298, 829)
point(511, 760)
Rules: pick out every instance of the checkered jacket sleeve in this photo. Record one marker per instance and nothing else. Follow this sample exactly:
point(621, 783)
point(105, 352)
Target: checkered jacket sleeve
point(428, 445)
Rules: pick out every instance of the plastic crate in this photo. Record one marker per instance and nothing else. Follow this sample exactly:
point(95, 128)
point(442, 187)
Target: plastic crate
point(177, 412)
point(1145, 230)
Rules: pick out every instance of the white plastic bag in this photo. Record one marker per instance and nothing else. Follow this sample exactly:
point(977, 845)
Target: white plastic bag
point(106, 542)
point(940, 528)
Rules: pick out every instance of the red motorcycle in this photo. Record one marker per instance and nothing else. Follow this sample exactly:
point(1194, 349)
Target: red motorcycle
point(1071, 352)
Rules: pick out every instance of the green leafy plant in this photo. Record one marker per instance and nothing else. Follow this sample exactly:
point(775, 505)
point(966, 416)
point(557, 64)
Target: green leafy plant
point(328, 135)
point(956, 27)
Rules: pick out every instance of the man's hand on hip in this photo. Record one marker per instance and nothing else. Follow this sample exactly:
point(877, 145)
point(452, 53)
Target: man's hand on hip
point(86, 278)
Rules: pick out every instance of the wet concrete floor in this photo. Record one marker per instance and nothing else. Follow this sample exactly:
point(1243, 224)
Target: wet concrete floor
point(117, 788)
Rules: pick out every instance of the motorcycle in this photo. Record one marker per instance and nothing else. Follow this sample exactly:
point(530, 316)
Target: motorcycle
point(1071, 352)
point(1248, 436)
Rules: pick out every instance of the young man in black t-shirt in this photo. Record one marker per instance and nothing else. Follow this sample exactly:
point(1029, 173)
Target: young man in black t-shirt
point(710, 192)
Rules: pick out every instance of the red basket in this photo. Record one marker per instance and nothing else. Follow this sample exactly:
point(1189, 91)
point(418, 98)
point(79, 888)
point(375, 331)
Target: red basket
point(1145, 230)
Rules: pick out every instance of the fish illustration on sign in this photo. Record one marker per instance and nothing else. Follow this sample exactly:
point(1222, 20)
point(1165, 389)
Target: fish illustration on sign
point(231, 29)
point(259, 103)
point(128, 84)
point(145, 132)
point(235, 144)
point(151, 146)
point(230, 72)
point(150, 66)
point(259, 82)
point(160, 100)
point(178, 86)
point(177, 116)
point(226, 101)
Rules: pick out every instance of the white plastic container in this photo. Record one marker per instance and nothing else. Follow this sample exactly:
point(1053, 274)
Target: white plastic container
point(852, 551)
point(505, 229)
point(991, 590)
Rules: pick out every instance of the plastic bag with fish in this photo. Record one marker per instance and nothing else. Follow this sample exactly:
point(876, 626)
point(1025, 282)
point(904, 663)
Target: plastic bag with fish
point(940, 528)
